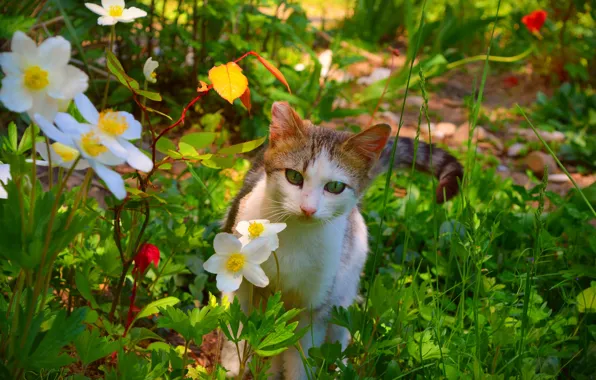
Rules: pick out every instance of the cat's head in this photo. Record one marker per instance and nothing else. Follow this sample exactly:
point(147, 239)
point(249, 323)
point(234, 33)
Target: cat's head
point(315, 174)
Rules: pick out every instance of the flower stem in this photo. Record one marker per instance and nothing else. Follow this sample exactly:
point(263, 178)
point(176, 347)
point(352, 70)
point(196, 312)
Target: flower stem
point(277, 267)
point(107, 87)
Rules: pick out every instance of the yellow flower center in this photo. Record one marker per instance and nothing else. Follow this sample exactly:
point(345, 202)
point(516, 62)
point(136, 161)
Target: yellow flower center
point(153, 75)
point(65, 152)
point(112, 123)
point(92, 145)
point(36, 78)
point(235, 262)
point(116, 11)
point(255, 230)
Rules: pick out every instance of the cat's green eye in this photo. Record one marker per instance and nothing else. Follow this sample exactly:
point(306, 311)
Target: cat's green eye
point(294, 177)
point(335, 187)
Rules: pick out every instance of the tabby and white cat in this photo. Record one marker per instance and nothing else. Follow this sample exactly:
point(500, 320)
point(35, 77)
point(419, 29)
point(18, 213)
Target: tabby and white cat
point(312, 178)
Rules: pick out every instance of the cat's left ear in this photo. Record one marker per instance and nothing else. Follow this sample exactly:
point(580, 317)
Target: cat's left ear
point(370, 142)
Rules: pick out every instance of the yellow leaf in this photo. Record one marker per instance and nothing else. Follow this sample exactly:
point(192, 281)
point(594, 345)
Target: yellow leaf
point(228, 81)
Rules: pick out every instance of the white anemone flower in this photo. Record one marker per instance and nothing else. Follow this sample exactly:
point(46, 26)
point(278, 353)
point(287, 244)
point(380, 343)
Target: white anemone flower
point(233, 261)
point(38, 78)
point(149, 70)
point(4, 178)
point(114, 129)
point(84, 138)
point(254, 229)
point(114, 11)
point(60, 155)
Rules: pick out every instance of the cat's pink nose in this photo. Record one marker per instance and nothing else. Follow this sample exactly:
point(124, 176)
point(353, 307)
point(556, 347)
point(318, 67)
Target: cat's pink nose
point(308, 211)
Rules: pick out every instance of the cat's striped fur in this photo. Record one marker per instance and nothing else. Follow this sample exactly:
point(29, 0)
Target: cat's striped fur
point(321, 256)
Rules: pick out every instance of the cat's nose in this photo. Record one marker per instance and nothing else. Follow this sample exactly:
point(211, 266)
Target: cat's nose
point(308, 211)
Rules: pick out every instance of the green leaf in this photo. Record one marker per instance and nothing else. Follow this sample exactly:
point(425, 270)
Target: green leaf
point(91, 347)
point(82, 281)
point(199, 140)
point(12, 136)
point(26, 142)
point(216, 162)
point(149, 109)
point(116, 68)
point(62, 332)
point(138, 334)
point(586, 300)
point(243, 147)
point(154, 306)
point(164, 145)
point(187, 150)
point(11, 23)
point(149, 95)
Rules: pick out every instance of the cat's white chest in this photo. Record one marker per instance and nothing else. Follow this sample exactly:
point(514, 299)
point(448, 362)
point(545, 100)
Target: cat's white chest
point(308, 254)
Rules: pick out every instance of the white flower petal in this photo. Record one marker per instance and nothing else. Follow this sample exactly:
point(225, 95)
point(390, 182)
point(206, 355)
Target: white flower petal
point(113, 145)
point(275, 228)
point(257, 250)
point(52, 132)
point(112, 3)
point(225, 244)
point(242, 227)
point(11, 63)
point(136, 159)
point(55, 52)
point(14, 95)
point(112, 179)
point(134, 129)
point(86, 108)
point(106, 20)
point(109, 158)
point(23, 45)
point(255, 274)
point(69, 124)
point(96, 9)
point(228, 282)
point(273, 242)
point(215, 264)
point(131, 13)
point(55, 88)
point(75, 82)
point(4, 178)
point(149, 68)
point(43, 105)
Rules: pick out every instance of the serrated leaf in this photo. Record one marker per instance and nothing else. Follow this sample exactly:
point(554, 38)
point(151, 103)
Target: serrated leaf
point(91, 347)
point(138, 334)
point(243, 147)
point(154, 306)
point(228, 81)
point(199, 140)
point(82, 282)
point(26, 142)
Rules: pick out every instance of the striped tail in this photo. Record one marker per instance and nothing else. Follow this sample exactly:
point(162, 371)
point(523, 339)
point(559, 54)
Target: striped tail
point(444, 166)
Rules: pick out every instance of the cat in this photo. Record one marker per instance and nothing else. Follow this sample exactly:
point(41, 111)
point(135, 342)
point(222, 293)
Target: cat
point(312, 178)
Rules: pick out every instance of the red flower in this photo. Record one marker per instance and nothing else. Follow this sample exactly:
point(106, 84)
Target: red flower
point(147, 254)
point(534, 20)
point(510, 81)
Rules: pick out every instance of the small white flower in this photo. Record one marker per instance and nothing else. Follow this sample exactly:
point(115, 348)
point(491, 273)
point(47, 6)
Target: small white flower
point(114, 129)
point(38, 78)
point(84, 138)
point(257, 228)
point(60, 154)
point(113, 11)
point(4, 178)
point(232, 261)
point(149, 70)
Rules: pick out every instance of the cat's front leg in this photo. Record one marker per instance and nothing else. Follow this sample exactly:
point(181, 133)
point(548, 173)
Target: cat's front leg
point(294, 366)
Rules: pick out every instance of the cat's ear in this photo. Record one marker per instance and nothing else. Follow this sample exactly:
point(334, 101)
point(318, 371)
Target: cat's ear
point(285, 122)
point(370, 142)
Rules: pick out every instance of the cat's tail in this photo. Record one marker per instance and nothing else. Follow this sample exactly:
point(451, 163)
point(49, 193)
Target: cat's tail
point(444, 166)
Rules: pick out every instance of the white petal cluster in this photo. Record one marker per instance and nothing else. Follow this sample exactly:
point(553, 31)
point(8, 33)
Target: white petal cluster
point(112, 12)
point(4, 178)
point(236, 258)
point(38, 78)
point(149, 70)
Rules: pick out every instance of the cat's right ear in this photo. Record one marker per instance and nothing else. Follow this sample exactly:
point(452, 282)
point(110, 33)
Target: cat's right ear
point(285, 122)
